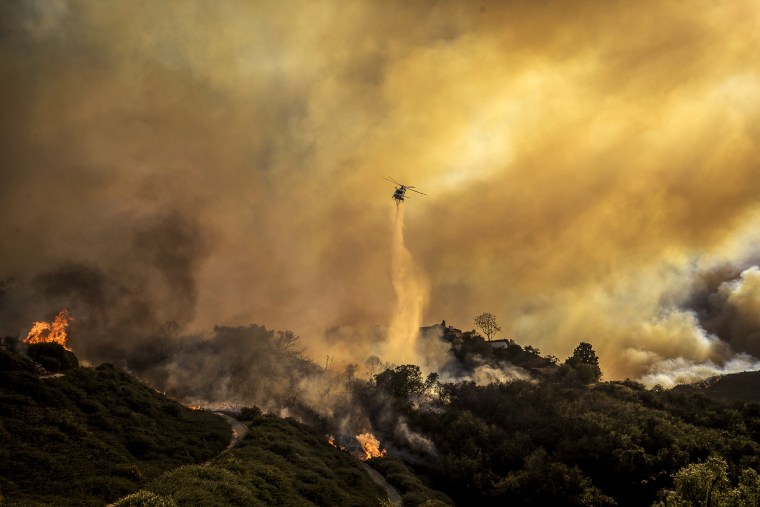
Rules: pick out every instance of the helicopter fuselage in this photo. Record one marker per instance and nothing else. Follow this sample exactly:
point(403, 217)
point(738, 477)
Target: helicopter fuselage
point(400, 192)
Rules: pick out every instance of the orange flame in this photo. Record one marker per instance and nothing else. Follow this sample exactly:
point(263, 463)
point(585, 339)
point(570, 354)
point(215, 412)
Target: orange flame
point(370, 446)
point(51, 332)
point(195, 407)
point(331, 441)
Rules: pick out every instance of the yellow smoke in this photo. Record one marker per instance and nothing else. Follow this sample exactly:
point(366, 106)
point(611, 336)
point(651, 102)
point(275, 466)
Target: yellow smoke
point(412, 290)
point(580, 176)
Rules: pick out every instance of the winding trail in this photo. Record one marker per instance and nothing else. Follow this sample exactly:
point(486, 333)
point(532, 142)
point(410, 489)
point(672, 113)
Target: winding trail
point(393, 495)
point(239, 430)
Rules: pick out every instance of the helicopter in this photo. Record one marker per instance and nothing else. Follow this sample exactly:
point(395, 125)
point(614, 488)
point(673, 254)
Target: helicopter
point(401, 190)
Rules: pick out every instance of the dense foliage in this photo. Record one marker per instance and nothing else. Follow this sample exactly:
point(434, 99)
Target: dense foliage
point(556, 440)
point(280, 462)
point(413, 490)
point(91, 435)
point(707, 484)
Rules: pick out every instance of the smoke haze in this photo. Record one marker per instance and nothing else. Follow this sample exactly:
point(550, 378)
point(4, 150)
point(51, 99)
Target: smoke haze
point(591, 170)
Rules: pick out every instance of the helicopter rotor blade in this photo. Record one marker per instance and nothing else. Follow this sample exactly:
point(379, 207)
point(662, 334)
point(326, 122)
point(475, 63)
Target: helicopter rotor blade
point(410, 188)
point(393, 181)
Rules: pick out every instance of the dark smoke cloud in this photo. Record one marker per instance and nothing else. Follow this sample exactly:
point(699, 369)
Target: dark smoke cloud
point(174, 247)
point(124, 302)
point(726, 303)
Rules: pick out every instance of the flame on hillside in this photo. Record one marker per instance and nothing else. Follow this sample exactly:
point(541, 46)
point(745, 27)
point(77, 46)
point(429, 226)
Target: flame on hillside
point(370, 446)
point(331, 441)
point(51, 332)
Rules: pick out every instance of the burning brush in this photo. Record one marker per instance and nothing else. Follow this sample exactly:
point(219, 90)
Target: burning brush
point(51, 332)
point(370, 446)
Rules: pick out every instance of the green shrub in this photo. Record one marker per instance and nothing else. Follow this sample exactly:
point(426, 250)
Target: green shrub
point(145, 499)
point(249, 413)
point(412, 490)
point(53, 357)
point(128, 471)
point(141, 446)
point(108, 488)
point(172, 409)
point(199, 485)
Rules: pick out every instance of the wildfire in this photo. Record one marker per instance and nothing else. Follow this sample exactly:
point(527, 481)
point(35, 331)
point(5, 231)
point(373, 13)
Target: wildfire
point(195, 407)
point(51, 332)
point(331, 441)
point(370, 446)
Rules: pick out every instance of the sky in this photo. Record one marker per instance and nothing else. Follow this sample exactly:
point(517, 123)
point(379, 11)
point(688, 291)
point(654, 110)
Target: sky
point(592, 171)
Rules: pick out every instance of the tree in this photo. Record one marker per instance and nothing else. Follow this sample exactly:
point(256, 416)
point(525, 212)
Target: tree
point(707, 484)
point(585, 363)
point(584, 353)
point(350, 372)
point(487, 323)
point(402, 382)
point(373, 364)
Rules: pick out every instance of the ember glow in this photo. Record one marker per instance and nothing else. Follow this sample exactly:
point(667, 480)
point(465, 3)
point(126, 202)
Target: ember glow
point(370, 446)
point(331, 441)
point(51, 332)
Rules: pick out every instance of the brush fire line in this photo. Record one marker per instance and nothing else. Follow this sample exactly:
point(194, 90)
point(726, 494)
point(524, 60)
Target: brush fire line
point(369, 446)
point(51, 332)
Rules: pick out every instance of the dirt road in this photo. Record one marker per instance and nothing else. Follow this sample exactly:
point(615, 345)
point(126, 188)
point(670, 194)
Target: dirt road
point(239, 430)
point(393, 495)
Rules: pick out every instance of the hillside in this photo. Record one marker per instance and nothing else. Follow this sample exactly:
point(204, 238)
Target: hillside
point(524, 443)
point(97, 435)
point(739, 387)
point(91, 435)
point(280, 462)
point(553, 439)
point(547, 434)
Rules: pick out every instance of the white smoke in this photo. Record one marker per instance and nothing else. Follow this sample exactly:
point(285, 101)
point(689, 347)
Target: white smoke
point(415, 441)
point(717, 338)
point(671, 372)
point(486, 373)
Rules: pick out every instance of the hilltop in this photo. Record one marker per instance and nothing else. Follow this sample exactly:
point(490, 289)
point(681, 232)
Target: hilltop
point(739, 387)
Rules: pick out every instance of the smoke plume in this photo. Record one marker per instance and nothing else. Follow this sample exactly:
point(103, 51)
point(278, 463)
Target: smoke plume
point(172, 167)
